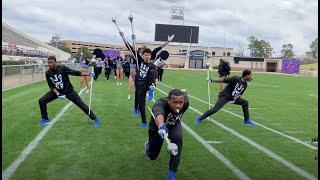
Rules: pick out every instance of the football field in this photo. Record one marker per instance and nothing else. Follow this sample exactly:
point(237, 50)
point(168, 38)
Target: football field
point(278, 147)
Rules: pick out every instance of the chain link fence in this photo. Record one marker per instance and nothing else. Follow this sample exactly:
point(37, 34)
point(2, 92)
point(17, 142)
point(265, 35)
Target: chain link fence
point(17, 75)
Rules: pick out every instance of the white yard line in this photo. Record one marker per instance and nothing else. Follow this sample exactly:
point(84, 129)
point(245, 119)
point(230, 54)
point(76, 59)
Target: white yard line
point(8, 172)
point(261, 125)
point(215, 152)
point(257, 146)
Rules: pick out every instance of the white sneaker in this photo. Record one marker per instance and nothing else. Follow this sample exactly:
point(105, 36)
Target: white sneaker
point(87, 91)
point(120, 84)
point(129, 97)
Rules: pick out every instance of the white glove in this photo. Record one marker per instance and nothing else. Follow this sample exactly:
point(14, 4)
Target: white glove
point(170, 37)
point(163, 131)
point(157, 62)
point(61, 96)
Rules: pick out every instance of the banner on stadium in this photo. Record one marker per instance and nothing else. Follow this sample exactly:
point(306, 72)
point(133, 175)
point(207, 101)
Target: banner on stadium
point(112, 53)
point(290, 66)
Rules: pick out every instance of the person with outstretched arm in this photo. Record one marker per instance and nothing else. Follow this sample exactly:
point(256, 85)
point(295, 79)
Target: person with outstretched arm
point(57, 77)
point(166, 122)
point(235, 87)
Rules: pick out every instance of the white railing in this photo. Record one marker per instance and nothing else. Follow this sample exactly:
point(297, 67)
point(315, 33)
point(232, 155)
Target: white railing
point(17, 75)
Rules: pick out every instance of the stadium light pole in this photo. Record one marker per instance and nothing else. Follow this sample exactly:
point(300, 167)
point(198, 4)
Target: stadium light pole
point(186, 64)
point(225, 48)
point(115, 38)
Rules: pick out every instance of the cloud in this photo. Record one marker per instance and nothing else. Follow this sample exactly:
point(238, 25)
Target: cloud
point(279, 22)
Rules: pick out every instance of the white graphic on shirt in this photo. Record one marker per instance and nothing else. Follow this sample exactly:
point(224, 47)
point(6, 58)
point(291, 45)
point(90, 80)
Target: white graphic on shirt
point(57, 81)
point(237, 90)
point(143, 70)
point(172, 119)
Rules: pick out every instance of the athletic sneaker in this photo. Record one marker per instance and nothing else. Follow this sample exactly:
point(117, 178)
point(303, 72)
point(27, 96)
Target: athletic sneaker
point(117, 83)
point(120, 84)
point(143, 125)
point(171, 175)
point(136, 112)
point(129, 97)
point(97, 122)
point(248, 122)
point(197, 122)
point(44, 122)
point(87, 91)
point(146, 149)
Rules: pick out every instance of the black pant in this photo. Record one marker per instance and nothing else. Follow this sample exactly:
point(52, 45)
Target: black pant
point(107, 72)
point(222, 100)
point(140, 99)
point(97, 72)
point(72, 96)
point(155, 143)
point(160, 73)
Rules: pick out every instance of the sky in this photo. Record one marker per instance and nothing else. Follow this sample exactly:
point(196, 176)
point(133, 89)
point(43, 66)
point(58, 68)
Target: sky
point(278, 22)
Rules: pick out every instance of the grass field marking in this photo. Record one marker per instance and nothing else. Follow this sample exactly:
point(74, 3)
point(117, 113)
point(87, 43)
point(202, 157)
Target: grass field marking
point(314, 95)
point(261, 125)
point(8, 172)
point(215, 152)
point(257, 146)
point(214, 142)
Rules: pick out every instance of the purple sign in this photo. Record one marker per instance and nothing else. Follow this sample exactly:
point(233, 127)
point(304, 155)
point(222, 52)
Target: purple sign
point(112, 53)
point(290, 66)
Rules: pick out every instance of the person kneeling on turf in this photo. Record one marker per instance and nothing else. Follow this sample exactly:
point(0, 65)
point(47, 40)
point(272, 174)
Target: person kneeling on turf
point(167, 112)
point(60, 87)
point(231, 93)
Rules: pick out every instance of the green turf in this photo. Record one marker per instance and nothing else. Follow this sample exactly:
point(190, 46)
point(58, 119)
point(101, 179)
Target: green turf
point(73, 149)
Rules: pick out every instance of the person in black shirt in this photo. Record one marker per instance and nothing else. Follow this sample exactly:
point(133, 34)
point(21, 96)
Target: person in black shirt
point(144, 81)
point(224, 71)
point(107, 67)
point(61, 87)
point(231, 93)
point(126, 67)
point(146, 75)
point(168, 112)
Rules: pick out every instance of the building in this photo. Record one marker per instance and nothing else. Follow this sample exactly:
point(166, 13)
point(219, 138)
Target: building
point(256, 64)
point(197, 57)
point(75, 45)
point(194, 56)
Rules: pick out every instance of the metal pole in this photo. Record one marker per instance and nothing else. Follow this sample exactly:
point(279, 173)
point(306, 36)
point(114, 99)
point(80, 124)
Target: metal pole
point(43, 72)
point(20, 74)
point(186, 64)
point(33, 69)
point(3, 74)
point(225, 52)
point(115, 38)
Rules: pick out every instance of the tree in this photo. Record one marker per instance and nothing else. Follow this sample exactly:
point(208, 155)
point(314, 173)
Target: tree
point(313, 49)
point(240, 50)
point(287, 51)
point(64, 48)
point(259, 48)
point(86, 53)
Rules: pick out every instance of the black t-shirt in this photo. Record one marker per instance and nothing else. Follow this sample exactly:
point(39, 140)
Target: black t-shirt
point(59, 78)
point(147, 72)
point(161, 107)
point(235, 86)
